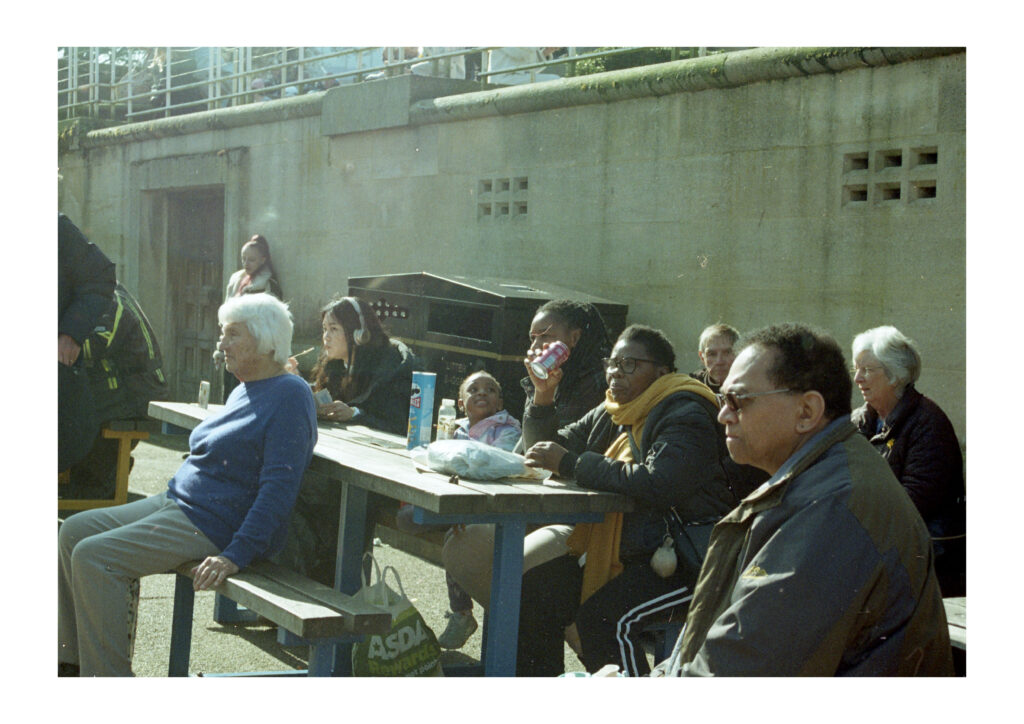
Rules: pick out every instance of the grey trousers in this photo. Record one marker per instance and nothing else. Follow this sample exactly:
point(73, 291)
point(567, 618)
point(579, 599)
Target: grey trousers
point(102, 553)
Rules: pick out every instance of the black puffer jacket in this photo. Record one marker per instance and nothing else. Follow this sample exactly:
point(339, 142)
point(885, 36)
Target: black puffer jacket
point(576, 395)
point(920, 445)
point(681, 465)
point(85, 281)
point(123, 360)
point(384, 402)
point(85, 288)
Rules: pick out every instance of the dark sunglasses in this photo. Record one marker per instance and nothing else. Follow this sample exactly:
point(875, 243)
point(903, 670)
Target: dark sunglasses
point(732, 400)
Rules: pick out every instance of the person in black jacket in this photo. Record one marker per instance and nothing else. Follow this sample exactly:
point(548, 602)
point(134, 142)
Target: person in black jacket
point(917, 439)
point(368, 377)
point(655, 439)
point(579, 383)
point(125, 371)
point(566, 395)
point(85, 289)
point(715, 350)
point(368, 374)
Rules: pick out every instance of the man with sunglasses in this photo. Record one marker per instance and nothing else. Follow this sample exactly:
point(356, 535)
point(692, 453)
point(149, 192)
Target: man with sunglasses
point(826, 569)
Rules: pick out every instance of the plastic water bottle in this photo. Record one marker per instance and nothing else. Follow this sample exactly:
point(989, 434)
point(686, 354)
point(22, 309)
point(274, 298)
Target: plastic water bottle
point(446, 420)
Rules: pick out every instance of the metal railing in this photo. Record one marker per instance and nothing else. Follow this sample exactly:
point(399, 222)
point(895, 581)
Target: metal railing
point(132, 84)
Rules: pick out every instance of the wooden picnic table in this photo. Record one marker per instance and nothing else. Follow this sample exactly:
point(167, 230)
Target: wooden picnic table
point(362, 460)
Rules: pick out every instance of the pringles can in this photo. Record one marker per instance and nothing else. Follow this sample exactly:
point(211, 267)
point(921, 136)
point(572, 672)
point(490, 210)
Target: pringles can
point(550, 359)
point(421, 409)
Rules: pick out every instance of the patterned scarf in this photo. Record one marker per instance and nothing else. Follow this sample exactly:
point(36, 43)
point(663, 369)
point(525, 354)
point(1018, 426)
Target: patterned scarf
point(600, 541)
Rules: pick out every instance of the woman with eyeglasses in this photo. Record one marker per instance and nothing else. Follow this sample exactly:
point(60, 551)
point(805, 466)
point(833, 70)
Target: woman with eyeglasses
point(656, 439)
point(918, 441)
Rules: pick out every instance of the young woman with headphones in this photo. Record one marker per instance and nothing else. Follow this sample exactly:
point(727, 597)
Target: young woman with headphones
point(368, 376)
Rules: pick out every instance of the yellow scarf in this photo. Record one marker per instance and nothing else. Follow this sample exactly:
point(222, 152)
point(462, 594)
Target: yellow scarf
point(600, 541)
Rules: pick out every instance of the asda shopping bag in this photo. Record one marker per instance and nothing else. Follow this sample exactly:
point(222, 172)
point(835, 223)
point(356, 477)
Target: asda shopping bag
point(410, 648)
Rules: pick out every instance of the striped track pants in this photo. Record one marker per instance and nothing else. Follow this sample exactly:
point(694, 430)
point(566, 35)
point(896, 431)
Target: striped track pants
point(630, 625)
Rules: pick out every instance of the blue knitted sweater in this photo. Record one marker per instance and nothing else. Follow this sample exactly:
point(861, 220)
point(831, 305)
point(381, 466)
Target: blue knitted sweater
point(241, 478)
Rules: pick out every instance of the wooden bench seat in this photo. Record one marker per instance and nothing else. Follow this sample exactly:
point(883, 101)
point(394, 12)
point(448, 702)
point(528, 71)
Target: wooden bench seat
point(315, 613)
point(125, 432)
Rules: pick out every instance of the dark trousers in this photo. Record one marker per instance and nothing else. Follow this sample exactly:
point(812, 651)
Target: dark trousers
point(312, 544)
point(609, 622)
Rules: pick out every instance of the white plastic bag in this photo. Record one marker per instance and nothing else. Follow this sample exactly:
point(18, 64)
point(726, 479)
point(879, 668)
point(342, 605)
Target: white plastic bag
point(474, 461)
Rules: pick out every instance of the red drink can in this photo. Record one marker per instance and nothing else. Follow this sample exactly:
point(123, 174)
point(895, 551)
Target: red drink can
point(550, 359)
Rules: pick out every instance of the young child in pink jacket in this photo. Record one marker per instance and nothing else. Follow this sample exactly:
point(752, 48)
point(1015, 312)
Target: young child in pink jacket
point(486, 421)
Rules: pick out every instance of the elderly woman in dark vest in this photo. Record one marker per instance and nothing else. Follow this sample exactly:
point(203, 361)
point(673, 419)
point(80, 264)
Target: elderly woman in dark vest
point(917, 439)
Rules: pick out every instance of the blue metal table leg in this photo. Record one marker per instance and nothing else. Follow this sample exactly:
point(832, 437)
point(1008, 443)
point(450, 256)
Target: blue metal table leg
point(167, 428)
point(321, 660)
point(181, 627)
point(501, 627)
point(348, 569)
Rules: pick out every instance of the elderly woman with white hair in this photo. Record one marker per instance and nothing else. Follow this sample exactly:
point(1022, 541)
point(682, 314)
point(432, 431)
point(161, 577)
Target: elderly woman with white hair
point(227, 505)
point(917, 439)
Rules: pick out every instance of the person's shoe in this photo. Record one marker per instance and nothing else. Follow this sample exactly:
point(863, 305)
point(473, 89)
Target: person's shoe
point(460, 627)
point(64, 669)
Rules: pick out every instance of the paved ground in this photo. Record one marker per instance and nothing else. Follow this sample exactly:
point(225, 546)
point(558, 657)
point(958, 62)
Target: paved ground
point(220, 648)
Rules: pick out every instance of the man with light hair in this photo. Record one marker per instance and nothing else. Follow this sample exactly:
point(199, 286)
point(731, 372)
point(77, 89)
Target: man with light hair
point(827, 568)
point(716, 354)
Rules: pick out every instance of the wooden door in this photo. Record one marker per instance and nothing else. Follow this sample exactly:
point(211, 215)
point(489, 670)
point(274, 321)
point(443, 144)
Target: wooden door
point(195, 243)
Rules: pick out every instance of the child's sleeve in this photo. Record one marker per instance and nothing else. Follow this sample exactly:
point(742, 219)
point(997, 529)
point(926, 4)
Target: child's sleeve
point(507, 438)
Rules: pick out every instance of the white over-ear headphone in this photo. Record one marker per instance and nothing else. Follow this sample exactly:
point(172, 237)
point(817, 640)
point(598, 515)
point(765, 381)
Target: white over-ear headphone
point(361, 335)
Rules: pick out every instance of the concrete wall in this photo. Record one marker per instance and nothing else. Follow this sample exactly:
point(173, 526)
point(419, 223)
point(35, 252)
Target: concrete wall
point(751, 188)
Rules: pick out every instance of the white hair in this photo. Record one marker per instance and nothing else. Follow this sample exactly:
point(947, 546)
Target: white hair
point(896, 352)
point(267, 319)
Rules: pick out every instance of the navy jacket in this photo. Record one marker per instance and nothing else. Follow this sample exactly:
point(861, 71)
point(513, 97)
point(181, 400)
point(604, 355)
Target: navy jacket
point(921, 447)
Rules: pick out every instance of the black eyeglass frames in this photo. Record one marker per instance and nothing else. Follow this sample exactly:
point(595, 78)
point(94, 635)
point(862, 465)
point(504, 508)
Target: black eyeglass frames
point(626, 365)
